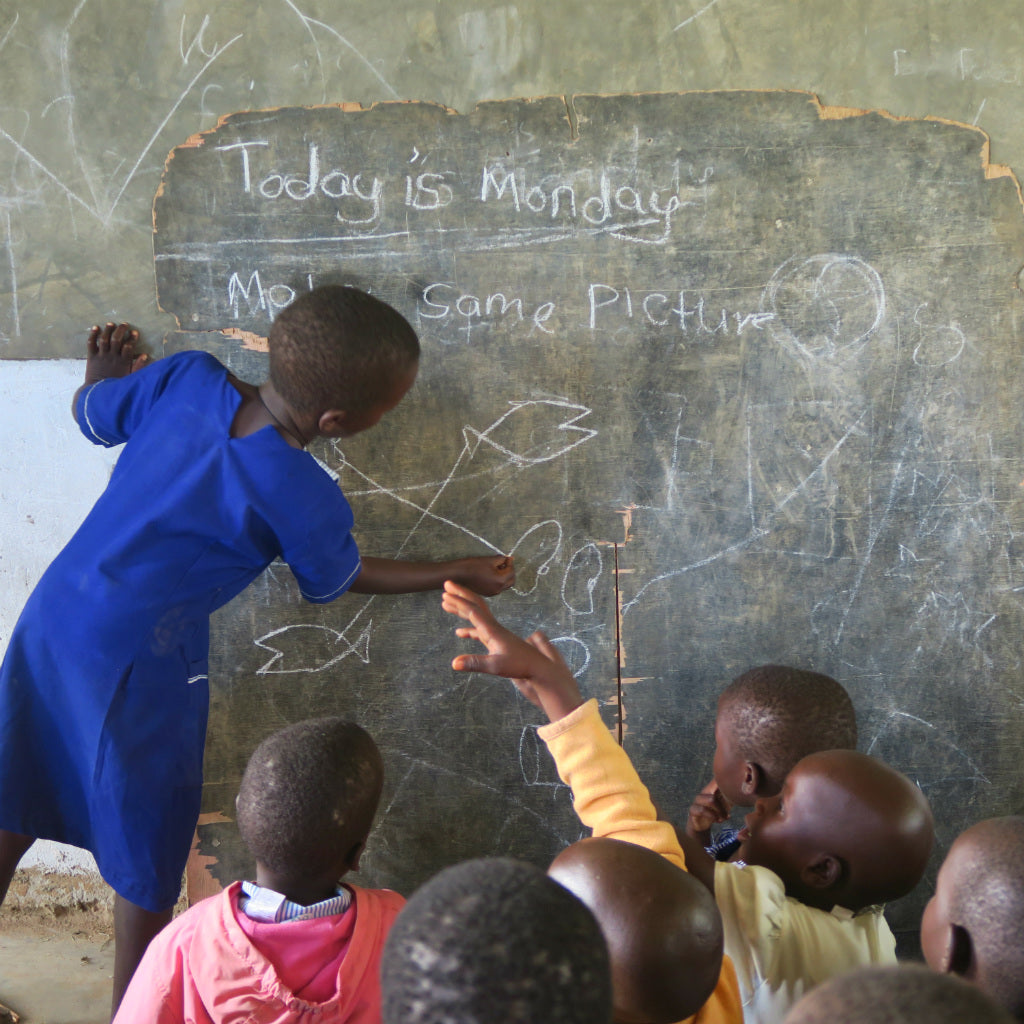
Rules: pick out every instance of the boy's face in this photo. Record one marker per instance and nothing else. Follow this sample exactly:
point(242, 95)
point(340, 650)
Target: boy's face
point(784, 831)
point(729, 766)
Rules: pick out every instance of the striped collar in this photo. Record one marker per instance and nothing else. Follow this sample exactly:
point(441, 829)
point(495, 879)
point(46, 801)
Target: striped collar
point(261, 904)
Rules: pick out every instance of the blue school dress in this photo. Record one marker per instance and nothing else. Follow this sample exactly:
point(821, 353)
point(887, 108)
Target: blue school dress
point(103, 689)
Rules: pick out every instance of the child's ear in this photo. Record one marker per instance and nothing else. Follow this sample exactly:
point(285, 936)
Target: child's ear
point(753, 779)
point(958, 956)
point(823, 872)
point(333, 423)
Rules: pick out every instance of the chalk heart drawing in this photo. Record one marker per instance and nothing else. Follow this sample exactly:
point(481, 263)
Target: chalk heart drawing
point(824, 306)
point(310, 648)
point(534, 552)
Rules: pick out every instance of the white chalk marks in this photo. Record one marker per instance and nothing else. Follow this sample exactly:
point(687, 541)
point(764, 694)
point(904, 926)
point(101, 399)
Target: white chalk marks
point(581, 577)
point(534, 552)
point(530, 433)
point(825, 306)
point(533, 432)
point(310, 648)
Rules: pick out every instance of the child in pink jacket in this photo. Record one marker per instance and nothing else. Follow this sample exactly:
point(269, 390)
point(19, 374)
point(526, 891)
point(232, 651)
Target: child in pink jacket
point(296, 945)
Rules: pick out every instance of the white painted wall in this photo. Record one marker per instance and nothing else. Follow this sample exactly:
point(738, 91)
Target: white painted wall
point(50, 475)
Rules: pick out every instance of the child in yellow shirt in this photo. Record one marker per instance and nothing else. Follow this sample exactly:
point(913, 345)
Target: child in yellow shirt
point(845, 834)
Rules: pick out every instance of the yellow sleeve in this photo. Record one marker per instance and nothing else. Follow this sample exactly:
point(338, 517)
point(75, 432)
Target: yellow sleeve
point(610, 799)
point(724, 1005)
point(608, 795)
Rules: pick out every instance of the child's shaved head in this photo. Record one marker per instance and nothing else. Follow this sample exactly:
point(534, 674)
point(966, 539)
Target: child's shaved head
point(974, 924)
point(339, 348)
point(777, 715)
point(495, 941)
point(906, 994)
point(308, 796)
point(846, 829)
point(663, 928)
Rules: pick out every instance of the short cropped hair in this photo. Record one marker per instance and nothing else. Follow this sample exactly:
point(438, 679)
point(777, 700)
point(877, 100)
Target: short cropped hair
point(779, 715)
point(337, 347)
point(308, 795)
point(495, 941)
point(903, 994)
point(988, 901)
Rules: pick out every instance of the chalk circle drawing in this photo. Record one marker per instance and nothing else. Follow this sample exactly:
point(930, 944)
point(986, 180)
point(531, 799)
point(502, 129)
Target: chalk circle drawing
point(534, 431)
point(824, 306)
point(534, 552)
point(307, 647)
point(939, 343)
point(575, 652)
point(580, 578)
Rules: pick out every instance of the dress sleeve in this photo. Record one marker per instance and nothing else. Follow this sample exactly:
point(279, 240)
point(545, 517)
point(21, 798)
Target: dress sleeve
point(109, 411)
point(607, 792)
point(323, 555)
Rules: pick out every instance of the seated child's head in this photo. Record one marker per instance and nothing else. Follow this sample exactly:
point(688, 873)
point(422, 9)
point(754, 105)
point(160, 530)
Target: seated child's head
point(771, 717)
point(974, 924)
point(339, 348)
point(904, 994)
point(495, 941)
point(663, 928)
point(846, 829)
point(306, 804)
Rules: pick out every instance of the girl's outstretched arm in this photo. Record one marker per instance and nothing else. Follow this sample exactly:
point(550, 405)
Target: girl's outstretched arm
point(486, 574)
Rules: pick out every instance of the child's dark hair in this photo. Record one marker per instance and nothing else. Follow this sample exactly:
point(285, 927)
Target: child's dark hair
point(495, 941)
point(337, 347)
point(896, 994)
point(308, 795)
point(779, 715)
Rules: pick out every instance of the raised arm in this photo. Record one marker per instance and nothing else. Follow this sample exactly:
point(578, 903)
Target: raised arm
point(533, 664)
point(486, 574)
point(608, 795)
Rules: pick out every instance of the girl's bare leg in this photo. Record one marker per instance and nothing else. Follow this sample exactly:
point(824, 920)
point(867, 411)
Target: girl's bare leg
point(12, 849)
point(133, 929)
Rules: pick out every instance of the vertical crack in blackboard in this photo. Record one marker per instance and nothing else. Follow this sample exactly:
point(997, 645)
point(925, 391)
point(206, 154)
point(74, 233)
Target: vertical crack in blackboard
point(618, 649)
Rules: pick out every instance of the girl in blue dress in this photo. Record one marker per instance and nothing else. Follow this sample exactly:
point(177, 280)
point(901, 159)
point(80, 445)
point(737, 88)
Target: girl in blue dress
point(103, 689)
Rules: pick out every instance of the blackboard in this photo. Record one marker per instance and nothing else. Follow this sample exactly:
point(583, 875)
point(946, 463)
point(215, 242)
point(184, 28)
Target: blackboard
point(733, 375)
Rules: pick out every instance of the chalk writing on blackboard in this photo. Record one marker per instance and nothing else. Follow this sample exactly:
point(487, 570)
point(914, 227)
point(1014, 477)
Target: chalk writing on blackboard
point(722, 371)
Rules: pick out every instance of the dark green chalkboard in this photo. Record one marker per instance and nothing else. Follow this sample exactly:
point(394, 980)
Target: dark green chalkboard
point(734, 377)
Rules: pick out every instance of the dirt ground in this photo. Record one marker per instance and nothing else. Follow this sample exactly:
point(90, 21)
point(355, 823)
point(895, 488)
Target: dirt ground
point(54, 974)
point(56, 950)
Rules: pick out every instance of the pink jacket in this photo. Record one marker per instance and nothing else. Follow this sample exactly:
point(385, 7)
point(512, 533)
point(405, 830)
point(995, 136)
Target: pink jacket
point(203, 968)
